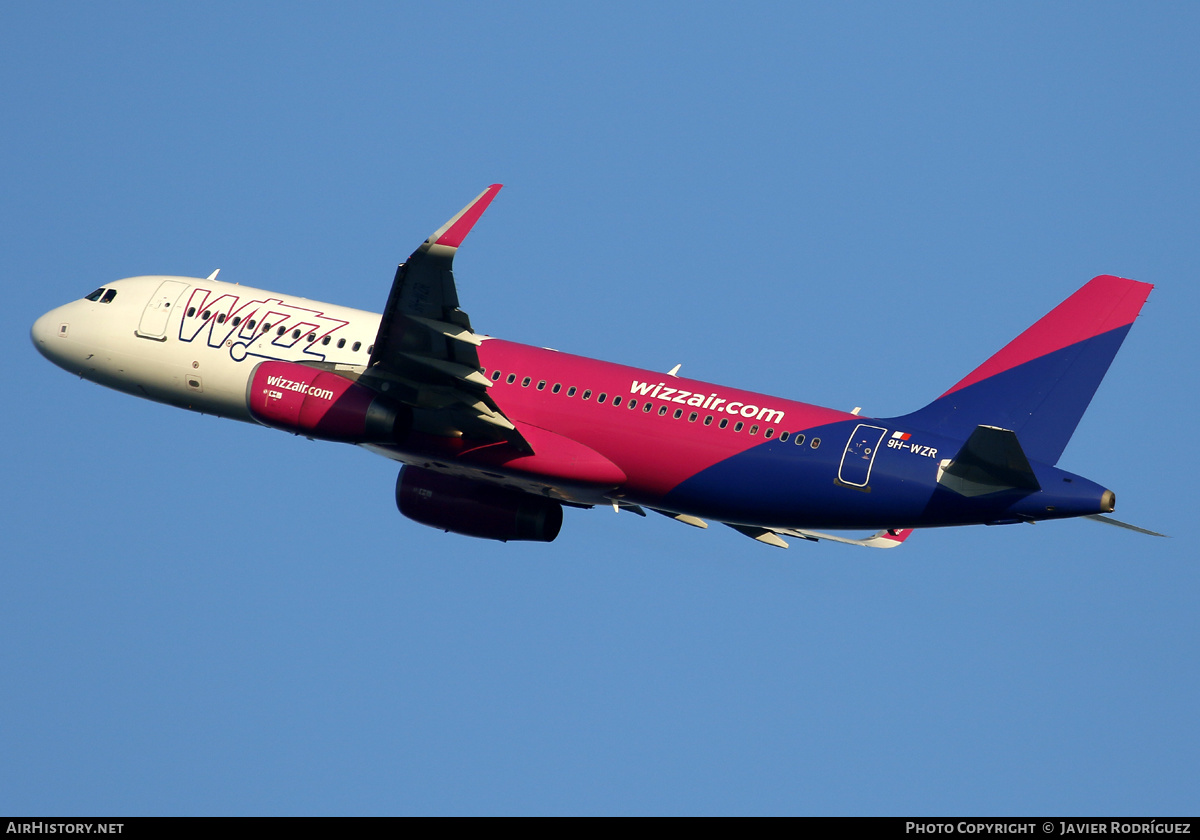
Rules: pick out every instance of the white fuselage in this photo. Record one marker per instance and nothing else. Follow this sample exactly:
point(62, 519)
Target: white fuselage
point(192, 343)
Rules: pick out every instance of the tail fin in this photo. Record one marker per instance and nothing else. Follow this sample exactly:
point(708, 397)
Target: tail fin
point(1040, 384)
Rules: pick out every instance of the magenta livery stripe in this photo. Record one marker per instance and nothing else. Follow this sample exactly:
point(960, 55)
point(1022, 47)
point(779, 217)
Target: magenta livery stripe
point(1104, 304)
point(458, 231)
point(654, 449)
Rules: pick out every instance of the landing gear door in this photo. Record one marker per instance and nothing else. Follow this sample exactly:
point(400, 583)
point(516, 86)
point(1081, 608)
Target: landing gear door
point(158, 310)
point(860, 454)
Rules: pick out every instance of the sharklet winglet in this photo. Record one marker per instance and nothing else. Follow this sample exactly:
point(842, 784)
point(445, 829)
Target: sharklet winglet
point(452, 234)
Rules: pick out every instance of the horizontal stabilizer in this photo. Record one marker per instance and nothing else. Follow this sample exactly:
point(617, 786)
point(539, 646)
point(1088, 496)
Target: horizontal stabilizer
point(991, 461)
point(1108, 520)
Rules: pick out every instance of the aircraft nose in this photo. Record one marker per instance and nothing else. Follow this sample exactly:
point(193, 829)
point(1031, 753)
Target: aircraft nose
point(48, 329)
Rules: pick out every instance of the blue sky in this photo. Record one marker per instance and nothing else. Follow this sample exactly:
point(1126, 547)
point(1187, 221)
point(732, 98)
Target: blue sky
point(849, 205)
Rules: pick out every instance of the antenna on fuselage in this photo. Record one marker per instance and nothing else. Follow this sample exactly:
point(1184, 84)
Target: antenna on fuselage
point(213, 276)
point(675, 370)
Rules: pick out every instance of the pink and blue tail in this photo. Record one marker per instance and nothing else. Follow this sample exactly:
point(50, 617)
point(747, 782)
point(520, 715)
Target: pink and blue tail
point(1040, 384)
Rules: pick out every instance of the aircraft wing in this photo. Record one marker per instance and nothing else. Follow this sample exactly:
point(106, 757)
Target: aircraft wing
point(424, 353)
point(891, 538)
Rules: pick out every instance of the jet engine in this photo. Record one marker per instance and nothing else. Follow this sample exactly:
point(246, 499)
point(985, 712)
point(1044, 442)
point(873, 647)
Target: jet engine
point(320, 404)
point(475, 508)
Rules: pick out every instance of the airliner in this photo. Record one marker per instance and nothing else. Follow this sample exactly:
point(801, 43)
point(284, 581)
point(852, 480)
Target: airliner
point(495, 438)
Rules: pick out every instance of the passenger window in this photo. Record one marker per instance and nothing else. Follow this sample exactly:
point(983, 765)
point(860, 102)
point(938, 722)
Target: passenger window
point(266, 327)
point(692, 417)
point(207, 313)
point(799, 439)
point(816, 442)
point(632, 403)
point(95, 296)
point(355, 346)
point(371, 349)
point(236, 320)
point(708, 420)
point(191, 312)
point(662, 410)
point(603, 396)
point(341, 343)
point(557, 387)
point(295, 334)
point(542, 385)
point(737, 427)
point(326, 340)
point(525, 382)
point(648, 407)
point(512, 377)
point(616, 400)
point(495, 373)
point(587, 395)
point(754, 430)
point(571, 391)
point(280, 331)
point(724, 422)
point(311, 337)
point(769, 433)
point(678, 413)
point(221, 318)
point(783, 436)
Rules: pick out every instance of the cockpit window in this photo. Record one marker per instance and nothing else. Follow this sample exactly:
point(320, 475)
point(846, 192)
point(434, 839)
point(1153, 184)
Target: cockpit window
point(108, 296)
point(94, 296)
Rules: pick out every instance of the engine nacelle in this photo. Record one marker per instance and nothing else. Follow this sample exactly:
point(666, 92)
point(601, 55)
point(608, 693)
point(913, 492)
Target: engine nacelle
point(320, 404)
point(475, 508)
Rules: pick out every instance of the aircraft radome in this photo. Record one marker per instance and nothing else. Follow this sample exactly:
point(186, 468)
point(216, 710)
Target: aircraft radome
point(495, 437)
